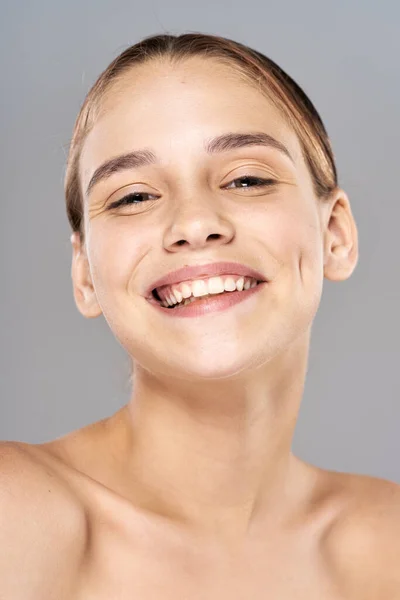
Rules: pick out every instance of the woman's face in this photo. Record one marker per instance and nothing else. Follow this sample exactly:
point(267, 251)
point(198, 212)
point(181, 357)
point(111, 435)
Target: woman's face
point(192, 212)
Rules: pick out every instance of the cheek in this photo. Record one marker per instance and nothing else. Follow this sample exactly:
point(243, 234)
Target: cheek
point(294, 241)
point(114, 254)
point(292, 235)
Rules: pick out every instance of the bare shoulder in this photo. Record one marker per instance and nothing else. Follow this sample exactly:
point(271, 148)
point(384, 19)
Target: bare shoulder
point(363, 541)
point(42, 527)
point(27, 481)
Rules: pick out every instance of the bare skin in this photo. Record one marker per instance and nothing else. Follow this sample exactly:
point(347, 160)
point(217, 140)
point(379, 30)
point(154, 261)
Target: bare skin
point(191, 490)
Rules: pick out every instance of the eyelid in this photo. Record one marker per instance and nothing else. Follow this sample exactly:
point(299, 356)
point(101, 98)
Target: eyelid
point(129, 191)
point(253, 163)
point(249, 166)
point(265, 178)
point(264, 183)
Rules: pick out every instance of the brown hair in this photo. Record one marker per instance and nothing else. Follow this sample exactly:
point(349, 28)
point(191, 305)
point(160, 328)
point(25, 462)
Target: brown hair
point(254, 67)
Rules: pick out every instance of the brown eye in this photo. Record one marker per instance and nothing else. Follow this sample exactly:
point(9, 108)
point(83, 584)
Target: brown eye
point(129, 199)
point(251, 181)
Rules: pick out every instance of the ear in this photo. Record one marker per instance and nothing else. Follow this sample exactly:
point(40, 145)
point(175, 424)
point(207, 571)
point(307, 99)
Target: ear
point(340, 238)
point(84, 293)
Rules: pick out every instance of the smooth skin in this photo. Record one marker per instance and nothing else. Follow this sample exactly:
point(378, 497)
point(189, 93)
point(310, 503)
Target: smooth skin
point(191, 490)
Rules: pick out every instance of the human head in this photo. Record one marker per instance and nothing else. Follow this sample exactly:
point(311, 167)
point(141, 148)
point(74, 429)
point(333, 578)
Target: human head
point(136, 103)
point(253, 66)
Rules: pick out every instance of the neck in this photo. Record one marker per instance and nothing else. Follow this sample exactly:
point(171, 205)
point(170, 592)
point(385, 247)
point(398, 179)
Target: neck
point(216, 456)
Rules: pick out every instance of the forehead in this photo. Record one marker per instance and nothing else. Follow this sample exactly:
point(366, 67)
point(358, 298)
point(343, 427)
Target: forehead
point(173, 108)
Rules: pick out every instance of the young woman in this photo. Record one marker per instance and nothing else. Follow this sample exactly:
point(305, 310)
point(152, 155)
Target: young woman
point(203, 197)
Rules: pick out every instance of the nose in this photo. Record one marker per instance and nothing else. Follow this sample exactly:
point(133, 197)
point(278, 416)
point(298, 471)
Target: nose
point(196, 224)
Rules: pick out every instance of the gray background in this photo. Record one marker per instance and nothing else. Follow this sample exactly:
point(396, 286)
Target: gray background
point(60, 371)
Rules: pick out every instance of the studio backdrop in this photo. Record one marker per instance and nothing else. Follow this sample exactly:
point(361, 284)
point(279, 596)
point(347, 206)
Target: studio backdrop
point(60, 371)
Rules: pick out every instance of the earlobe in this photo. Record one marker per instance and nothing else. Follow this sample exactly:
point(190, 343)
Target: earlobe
point(83, 290)
point(86, 301)
point(341, 240)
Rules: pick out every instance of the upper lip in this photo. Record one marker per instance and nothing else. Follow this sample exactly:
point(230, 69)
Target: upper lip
point(202, 271)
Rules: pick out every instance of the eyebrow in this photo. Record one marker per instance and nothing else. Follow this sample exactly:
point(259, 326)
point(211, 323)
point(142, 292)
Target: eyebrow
point(221, 143)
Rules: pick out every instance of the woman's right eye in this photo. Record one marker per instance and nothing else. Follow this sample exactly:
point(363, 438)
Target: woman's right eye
point(129, 199)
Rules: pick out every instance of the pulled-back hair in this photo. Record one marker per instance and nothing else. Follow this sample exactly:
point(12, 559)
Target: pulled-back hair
point(255, 68)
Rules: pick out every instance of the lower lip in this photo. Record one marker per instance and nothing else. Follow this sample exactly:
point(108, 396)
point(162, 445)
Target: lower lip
point(209, 305)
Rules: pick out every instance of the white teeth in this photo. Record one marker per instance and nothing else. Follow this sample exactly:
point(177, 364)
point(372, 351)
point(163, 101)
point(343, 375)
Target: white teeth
point(240, 283)
point(199, 288)
point(215, 285)
point(178, 295)
point(230, 284)
point(187, 292)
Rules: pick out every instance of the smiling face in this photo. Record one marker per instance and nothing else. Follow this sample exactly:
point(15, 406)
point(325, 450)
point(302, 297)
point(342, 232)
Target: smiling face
point(191, 207)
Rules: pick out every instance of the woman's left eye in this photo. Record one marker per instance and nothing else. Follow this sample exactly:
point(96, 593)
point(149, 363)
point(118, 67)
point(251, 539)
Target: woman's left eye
point(251, 181)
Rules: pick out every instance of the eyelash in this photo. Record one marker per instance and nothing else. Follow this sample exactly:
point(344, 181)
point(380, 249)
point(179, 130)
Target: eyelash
point(264, 183)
